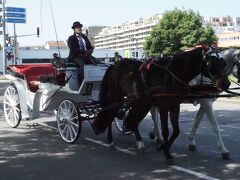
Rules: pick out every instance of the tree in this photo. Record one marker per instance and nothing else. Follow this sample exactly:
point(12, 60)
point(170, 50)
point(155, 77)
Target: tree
point(177, 31)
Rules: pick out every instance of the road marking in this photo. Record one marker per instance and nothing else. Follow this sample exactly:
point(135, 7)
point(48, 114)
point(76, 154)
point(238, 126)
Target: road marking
point(234, 127)
point(106, 145)
point(193, 173)
point(49, 126)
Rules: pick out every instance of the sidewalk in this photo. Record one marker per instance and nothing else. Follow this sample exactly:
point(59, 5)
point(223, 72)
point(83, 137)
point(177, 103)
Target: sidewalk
point(230, 100)
point(3, 79)
point(2, 76)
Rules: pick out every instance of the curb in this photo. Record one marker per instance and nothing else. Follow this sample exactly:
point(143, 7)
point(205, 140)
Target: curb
point(4, 81)
point(229, 100)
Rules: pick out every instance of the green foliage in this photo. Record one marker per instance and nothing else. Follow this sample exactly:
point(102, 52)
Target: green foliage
point(177, 31)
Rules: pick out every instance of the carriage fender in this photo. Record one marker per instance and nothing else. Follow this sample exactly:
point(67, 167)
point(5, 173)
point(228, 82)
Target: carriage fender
point(36, 104)
point(22, 99)
point(64, 94)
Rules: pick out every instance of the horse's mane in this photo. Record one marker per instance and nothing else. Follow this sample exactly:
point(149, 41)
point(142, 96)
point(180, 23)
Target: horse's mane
point(187, 54)
point(180, 65)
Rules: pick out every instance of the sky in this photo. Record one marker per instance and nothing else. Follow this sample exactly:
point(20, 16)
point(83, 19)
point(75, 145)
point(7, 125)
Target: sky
point(101, 12)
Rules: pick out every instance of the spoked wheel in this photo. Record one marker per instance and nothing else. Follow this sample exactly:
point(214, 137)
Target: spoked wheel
point(68, 121)
point(11, 106)
point(121, 116)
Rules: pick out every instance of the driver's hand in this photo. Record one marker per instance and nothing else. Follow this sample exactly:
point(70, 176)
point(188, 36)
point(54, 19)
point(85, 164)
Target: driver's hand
point(88, 52)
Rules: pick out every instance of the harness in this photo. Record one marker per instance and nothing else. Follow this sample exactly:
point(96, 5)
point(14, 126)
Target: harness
point(175, 79)
point(146, 67)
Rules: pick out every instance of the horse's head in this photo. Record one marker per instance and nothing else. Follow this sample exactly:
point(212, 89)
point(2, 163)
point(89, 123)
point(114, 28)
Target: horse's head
point(214, 68)
point(235, 57)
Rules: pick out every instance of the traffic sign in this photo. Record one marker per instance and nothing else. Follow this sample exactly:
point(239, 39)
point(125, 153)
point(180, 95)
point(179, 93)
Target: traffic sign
point(17, 15)
point(15, 20)
point(16, 9)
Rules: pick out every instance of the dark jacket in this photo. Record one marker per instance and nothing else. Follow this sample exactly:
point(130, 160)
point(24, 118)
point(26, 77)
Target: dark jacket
point(74, 47)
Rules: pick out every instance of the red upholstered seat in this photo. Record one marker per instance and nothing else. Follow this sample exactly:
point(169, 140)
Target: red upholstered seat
point(32, 73)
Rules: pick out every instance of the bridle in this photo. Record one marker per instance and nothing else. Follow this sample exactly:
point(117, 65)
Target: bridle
point(205, 65)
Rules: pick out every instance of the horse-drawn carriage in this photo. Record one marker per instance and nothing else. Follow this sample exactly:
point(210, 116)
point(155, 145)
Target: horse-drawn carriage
point(127, 86)
point(44, 87)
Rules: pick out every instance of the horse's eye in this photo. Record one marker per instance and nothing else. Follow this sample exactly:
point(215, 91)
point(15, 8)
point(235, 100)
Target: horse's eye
point(209, 64)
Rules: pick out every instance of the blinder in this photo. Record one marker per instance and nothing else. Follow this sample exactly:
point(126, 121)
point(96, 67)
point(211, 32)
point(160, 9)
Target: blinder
point(208, 64)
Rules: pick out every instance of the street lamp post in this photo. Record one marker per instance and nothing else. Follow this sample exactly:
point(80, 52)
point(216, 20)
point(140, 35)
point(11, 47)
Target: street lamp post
point(4, 36)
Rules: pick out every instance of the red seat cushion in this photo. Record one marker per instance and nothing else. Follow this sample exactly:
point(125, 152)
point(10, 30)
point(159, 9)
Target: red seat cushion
point(32, 72)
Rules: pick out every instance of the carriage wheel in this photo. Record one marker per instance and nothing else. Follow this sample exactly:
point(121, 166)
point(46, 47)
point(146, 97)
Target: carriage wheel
point(121, 116)
point(11, 107)
point(68, 121)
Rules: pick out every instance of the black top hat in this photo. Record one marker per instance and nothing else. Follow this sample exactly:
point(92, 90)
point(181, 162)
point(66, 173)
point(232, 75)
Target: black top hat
point(77, 24)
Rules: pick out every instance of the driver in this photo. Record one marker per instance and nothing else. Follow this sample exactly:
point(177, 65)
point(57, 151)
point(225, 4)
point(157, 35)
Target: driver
point(80, 49)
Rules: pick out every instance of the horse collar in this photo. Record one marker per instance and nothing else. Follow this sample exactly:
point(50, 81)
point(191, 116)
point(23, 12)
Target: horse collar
point(149, 65)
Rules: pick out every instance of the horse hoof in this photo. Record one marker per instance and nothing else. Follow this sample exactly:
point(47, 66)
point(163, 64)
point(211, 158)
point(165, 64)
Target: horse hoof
point(169, 161)
point(151, 135)
point(159, 147)
point(191, 147)
point(225, 156)
point(112, 146)
point(159, 142)
point(141, 151)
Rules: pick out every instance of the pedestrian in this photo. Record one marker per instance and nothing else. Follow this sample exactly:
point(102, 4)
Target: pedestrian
point(117, 57)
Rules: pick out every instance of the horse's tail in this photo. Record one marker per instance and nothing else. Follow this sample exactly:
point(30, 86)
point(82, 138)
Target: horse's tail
point(105, 85)
point(102, 120)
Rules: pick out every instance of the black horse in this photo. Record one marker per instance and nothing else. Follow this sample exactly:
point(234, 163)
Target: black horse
point(141, 86)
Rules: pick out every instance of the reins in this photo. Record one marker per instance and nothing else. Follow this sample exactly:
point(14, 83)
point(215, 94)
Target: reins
point(172, 74)
point(190, 95)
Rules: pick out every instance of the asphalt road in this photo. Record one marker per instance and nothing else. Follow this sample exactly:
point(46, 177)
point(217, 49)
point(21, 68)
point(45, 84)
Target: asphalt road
point(36, 151)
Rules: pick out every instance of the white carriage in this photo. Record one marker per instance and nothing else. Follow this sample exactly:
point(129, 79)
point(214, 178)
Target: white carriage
point(45, 87)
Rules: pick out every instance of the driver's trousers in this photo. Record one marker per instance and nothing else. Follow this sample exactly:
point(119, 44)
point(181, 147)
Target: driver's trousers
point(80, 61)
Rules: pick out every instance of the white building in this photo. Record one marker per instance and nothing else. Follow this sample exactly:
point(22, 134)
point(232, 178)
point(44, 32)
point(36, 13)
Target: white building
point(55, 45)
point(229, 39)
point(129, 36)
point(92, 31)
point(223, 24)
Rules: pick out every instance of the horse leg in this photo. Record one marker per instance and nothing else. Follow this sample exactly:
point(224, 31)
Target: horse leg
point(198, 119)
point(209, 111)
point(111, 117)
point(136, 114)
point(153, 115)
point(110, 137)
point(105, 118)
point(139, 142)
point(156, 133)
point(165, 133)
point(174, 116)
